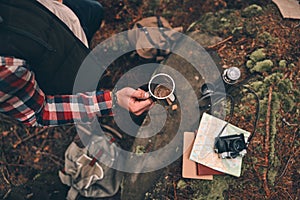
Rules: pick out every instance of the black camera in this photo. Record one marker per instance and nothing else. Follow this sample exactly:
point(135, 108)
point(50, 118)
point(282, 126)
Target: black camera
point(230, 146)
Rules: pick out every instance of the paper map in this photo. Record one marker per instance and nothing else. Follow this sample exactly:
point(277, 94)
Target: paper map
point(203, 152)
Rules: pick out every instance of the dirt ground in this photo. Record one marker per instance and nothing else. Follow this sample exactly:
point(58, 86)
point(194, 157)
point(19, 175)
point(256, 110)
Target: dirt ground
point(271, 167)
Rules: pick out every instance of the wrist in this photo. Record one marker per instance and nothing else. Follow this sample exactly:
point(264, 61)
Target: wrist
point(114, 97)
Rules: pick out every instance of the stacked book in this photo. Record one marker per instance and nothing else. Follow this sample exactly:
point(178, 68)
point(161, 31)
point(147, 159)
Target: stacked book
point(199, 159)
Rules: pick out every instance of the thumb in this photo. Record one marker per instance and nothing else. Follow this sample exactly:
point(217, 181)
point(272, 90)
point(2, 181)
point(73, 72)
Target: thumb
point(140, 94)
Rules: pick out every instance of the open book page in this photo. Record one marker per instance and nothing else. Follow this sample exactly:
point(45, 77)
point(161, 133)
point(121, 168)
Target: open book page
point(203, 148)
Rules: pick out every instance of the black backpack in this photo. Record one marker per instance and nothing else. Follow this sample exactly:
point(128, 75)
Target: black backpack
point(31, 32)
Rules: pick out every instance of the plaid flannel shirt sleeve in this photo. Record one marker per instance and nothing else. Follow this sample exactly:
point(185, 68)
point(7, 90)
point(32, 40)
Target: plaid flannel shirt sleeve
point(79, 108)
point(22, 99)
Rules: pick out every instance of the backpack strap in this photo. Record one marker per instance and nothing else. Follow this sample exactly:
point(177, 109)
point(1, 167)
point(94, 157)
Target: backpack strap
point(145, 30)
point(162, 28)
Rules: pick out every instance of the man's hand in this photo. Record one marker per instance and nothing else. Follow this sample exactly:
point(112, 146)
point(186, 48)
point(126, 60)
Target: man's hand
point(135, 101)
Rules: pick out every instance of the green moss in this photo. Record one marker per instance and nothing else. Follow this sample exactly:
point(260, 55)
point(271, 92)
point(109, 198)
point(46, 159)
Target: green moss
point(276, 162)
point(250, 64)
point(262, 66)
point(256, 85)
point(263, 108)
point(275, 102)
point(275, 106)
point(140, 150)
point(272, 173)
point(285, 86)
point(219, 23)
point(282, 64)
point(288, 103)
point(181, 184)
point(211, 189)
point(296, 95)
point(273, 79)
point(291, 65)
point(237, 31)
point(266, 38)
point(250, 29)
point(258, 55)
point(258, 148)
point(251, 11)
point(254, 160)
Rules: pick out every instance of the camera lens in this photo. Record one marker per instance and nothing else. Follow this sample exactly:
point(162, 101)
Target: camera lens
point(238, 145)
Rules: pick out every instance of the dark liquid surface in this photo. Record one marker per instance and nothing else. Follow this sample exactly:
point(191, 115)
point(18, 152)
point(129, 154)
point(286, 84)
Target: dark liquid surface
point(161, 91)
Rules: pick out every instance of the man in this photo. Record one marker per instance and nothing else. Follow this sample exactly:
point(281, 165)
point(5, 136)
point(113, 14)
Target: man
point(90, 14)
point(22, 99)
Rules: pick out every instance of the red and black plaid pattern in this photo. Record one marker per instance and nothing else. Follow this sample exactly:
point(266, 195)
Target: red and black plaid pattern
point(79, 108)
point(21, 98)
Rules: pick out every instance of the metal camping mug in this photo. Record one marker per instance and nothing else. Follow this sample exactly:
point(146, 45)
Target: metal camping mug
point(162, 86)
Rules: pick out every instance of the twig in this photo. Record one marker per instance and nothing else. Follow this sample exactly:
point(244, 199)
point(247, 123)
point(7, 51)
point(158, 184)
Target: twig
point(241, 41)
point(3, 175)
point(112, 130)
point(287, 164)
point(4, 167)
point(284, 191)
point(16, 134)
point(51, 155)
point(221, 42)
point(265, 180)
point(84, 130)
point(222, 48)
point(7, 193)
point(175, 194)
point(56, 162)
point(69, 129)
point(28, 138)
point(13, 164)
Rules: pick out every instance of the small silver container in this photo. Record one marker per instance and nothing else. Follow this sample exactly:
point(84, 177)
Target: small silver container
point(231, 75)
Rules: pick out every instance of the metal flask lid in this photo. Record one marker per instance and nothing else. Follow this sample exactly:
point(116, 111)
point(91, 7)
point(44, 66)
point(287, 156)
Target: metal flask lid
point(231, 75)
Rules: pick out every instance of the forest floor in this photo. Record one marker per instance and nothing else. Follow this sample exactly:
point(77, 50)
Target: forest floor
point(271, 167)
